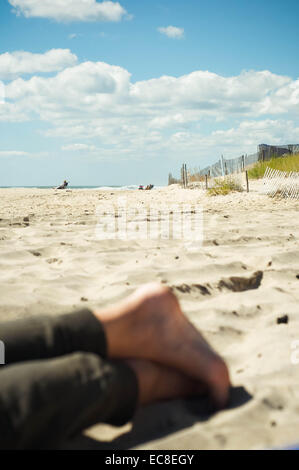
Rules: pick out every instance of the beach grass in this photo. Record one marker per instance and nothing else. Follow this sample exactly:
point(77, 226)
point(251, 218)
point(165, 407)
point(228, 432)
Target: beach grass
point(288, 163)
point(224, 186)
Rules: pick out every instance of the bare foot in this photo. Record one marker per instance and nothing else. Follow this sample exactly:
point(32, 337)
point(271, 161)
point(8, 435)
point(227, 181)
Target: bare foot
point(157, 382)
point(151, 325)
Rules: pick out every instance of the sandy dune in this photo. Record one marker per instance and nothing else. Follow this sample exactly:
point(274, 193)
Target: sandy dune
point(234, 288)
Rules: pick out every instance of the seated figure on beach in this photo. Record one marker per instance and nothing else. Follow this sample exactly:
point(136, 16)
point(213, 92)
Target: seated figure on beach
point(63, 374)
point(149, 187)
point(64, 185)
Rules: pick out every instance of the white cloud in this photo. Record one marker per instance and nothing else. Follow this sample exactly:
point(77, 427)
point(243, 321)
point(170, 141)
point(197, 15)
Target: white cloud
point(70, 10)
point(19, 63)
point(89, 86)
point(172, 32)
point(95, 105)
point(168, 121)
point(284, 99)
point(206, 91)
point(249, 133)
point(13, 112)
point(78, 148)
point(13, 153)
point(99, 91)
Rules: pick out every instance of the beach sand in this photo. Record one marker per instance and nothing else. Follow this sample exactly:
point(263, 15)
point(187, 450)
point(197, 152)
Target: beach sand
point(234, 288)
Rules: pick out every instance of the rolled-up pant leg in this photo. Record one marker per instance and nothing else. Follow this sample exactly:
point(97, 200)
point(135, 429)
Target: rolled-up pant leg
point(43, 403)
point(57, 381)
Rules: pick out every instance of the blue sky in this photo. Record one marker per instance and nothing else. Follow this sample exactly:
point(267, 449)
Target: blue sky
point(122, 93)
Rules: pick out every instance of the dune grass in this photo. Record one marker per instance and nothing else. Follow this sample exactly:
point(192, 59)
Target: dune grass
point(222, 187)
point(287, 163)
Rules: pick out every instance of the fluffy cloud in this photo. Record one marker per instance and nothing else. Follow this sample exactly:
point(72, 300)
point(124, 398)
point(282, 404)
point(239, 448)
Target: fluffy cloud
point(246, 135)
point(89, 87)
point(13, 153)
point(78, 148)
point(172, 32)
point(285, 99)
point(209, 91)
point(96, 90)
point(13, 112)
point(19, 63)
point(98, 105)
point(70, 10)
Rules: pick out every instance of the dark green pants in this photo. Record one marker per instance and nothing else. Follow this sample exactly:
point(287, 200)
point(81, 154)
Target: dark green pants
point(57, 381)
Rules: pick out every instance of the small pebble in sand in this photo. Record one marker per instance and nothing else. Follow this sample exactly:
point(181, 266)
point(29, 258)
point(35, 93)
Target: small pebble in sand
point(84, 299)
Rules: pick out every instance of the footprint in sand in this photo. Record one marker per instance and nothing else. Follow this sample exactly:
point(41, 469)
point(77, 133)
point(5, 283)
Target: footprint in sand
point(54, 260)
point(241, 284)
point(35, 253)
point(274, 402)
point(186, 288)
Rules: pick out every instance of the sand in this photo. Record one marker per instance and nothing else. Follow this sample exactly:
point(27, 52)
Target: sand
point(234, 288)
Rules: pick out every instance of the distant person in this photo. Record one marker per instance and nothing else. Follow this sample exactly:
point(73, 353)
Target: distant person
point(149, 187)
point(64, 185)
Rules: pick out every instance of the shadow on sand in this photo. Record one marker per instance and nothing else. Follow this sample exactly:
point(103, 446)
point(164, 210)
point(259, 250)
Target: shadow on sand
point(159, 420)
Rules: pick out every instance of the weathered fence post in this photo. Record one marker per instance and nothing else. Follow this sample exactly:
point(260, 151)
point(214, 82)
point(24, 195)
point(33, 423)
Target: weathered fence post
point(186, 176)
point(206, 181)
point(247, 182)
point(222, 165)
